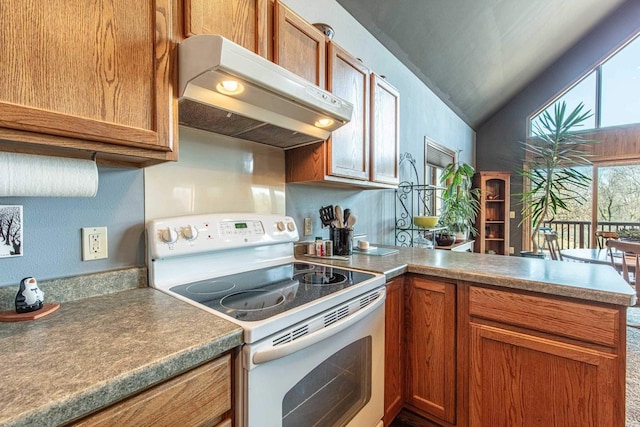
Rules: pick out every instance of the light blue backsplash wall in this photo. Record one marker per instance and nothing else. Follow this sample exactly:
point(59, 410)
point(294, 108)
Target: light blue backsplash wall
point(52, 229)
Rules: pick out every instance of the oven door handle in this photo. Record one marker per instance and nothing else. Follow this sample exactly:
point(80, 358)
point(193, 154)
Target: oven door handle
point(272, 353)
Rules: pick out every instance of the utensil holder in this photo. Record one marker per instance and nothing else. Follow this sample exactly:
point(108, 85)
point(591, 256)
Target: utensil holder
point(342, 239)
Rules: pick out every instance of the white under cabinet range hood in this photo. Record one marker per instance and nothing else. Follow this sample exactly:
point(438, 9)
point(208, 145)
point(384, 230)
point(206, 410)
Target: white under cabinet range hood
point(226, 89)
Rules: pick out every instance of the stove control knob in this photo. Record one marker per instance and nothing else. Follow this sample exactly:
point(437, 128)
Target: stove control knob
point(169, 235)
point(280, 225)
point(291, 226)
point(190, 233)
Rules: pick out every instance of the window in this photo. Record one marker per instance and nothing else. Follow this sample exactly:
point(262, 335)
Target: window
point(621, 87)
point(611, 91)
point(618, 195)
point(437, 157)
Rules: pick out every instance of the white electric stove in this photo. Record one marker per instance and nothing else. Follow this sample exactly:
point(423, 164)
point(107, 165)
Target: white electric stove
point(302, 321)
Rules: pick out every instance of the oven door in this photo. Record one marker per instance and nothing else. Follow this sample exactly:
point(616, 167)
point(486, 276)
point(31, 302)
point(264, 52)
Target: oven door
point(332, 376)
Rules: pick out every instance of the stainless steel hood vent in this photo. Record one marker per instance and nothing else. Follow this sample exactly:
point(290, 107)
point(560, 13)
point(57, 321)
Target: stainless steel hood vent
point(226, 89)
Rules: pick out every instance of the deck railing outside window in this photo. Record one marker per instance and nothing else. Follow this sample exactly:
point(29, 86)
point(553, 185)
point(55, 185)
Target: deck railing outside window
point(577, 234)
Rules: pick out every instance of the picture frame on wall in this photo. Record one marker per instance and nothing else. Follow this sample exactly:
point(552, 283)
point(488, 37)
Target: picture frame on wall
point(11, 242)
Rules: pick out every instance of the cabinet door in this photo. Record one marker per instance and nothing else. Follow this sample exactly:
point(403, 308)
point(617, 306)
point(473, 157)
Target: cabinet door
point(394, 345)
point(242, 21)
point(518, 379)
point(385, 131)
point(348, 147)
point(299, 46)
point(431, 338)
point(77, 74)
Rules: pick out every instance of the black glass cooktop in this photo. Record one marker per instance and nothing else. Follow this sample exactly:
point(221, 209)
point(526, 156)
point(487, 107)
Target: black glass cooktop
point(260, 294)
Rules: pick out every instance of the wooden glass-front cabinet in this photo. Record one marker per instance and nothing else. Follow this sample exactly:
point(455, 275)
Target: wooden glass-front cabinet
point(492, 221)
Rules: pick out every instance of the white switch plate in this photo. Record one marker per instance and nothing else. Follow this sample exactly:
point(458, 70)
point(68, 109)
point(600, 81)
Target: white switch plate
point(308, 229)
point(512, 214)
point(94, 243)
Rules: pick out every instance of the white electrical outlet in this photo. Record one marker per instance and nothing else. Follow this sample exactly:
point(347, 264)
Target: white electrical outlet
point(511, 250)
point(308, 229)
point(94, 243)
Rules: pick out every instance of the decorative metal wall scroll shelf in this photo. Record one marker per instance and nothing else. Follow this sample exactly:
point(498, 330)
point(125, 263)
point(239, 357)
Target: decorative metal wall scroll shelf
point(412, 199)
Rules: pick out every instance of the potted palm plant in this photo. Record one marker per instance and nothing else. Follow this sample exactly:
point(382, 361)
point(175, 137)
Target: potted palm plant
point(551, 177)
point(460, 203)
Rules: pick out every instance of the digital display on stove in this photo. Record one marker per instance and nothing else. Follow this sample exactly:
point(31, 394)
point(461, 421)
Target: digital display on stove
point(241, 225)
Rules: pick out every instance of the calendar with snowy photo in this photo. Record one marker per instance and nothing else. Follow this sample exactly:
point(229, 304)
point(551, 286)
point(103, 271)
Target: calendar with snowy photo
point(10, 231)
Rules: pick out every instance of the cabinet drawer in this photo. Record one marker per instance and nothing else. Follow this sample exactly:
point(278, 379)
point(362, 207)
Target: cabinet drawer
point(196, 398)
point(584, 322)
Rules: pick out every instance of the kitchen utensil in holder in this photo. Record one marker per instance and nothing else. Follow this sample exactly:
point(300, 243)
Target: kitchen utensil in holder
point(342, 239)
point(327, 215)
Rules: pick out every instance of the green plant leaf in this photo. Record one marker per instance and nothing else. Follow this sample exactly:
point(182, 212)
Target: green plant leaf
point(551, 156)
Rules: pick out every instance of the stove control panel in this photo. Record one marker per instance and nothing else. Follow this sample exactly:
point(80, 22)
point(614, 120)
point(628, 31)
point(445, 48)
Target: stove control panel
point(215, 232)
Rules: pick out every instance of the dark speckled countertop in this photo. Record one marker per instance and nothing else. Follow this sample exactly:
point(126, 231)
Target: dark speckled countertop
point(95, 351)
point(113, 337)
point(590, 282)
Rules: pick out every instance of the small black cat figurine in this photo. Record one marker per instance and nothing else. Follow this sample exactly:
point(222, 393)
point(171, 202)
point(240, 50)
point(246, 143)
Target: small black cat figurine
point(29, 297)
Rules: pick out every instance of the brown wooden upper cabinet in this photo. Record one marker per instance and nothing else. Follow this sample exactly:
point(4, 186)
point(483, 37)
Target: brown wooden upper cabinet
point(299, 46)
point(348, 146)
point(364, 153)
point(244, 22)
point(385, 131)
point(86, 77)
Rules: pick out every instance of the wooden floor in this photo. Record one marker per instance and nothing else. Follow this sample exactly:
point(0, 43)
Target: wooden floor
point(409, 419)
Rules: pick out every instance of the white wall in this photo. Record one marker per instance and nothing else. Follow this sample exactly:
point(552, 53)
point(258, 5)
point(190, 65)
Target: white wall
point(216, 173)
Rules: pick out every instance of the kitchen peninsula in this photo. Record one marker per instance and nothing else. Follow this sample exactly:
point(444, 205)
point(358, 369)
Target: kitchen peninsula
point(475, 339)
point(478, 320)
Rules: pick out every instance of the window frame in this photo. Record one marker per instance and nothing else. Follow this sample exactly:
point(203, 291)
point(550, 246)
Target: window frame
point(597, 69)
point(430, 170)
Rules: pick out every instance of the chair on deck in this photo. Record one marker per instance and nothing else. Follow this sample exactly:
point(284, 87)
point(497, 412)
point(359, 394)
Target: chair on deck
point(551, 237)
point(630, 252)
point(603, 236)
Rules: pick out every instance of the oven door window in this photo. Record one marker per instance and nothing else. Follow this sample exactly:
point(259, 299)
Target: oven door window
point(334, 392)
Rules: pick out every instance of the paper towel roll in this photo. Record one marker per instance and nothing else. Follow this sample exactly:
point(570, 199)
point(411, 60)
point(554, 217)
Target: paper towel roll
point(42, 176)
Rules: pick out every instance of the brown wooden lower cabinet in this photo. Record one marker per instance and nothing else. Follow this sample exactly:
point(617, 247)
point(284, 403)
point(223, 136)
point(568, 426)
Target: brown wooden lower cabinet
point(430, 387)
point(477, 355)
point(200, 397)
point(394, 350)
point(543, 360)
point(518, 379)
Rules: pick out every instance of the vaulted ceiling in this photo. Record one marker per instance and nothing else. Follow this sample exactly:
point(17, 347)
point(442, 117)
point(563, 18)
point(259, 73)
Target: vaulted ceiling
point(477, 54)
